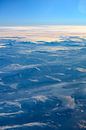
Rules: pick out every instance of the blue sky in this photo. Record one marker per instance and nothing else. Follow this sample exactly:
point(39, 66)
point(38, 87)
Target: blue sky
point(39, 12)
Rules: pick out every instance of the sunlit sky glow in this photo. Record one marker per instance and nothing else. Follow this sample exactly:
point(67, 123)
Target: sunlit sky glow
point(42, 12)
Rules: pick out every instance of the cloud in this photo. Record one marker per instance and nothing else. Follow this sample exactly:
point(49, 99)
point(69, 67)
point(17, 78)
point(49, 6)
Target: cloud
point(68, 102)
point(83, 70)
point(40, 98)
point(42, 33)
point(32, 124)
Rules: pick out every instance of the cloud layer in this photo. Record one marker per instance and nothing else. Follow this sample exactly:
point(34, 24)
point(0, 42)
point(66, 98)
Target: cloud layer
point(42, 33)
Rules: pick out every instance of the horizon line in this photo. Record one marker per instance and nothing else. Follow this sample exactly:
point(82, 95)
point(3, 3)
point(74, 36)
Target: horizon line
point(41, 25)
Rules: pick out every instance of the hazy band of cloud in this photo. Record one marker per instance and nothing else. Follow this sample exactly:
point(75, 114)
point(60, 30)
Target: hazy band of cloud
point(42, 33)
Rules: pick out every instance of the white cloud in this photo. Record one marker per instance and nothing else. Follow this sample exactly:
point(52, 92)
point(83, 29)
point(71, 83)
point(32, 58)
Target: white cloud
point(83, 70)
point(42, 33)
point(32, 124)
point(40, 98)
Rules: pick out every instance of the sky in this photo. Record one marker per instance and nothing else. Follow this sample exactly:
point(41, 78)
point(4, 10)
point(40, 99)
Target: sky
point(42, 12)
